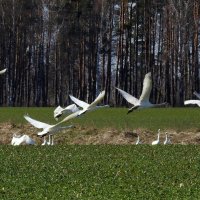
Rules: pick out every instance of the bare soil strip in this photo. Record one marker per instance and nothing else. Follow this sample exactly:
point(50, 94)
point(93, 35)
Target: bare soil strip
point(83, 135)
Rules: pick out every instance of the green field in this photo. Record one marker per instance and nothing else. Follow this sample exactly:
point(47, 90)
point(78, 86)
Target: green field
point(100, 172)
point(152, 119)
point(103, 171)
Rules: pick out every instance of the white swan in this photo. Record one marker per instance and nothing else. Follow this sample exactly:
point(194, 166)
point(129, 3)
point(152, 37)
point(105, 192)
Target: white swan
point(59, 111)
point(158, 139)
point(88, 107)
point(50, 129)
point(22, 139)
point(3, 71)
point(194, 102)
point(143, 101)
point(167, 139)
point(138, 141)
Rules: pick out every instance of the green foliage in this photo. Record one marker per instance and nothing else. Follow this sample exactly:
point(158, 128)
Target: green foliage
point(152, 119)
point(92, 172)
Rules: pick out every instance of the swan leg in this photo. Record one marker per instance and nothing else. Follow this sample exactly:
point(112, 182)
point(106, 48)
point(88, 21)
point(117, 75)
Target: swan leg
point(52, 138)
point(44, 141)
point(49, 139)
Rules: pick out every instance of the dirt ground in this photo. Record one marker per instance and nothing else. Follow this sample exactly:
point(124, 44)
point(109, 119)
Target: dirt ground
point(84, 135)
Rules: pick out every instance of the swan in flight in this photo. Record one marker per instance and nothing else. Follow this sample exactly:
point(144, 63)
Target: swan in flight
point(167, 139)
point(3, 71)
point(138, 141)
point(143, 101)
point(59, 111)
point(50, 129)
point(22, 139)
point(194, 102)
point(88, 107)
point(158, 139)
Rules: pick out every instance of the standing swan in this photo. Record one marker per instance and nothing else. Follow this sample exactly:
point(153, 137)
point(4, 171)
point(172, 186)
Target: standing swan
point(158, 139)
point(88, 107)
point(167, 140)
point(143, 101)
point(138, 141)
point(197, 102)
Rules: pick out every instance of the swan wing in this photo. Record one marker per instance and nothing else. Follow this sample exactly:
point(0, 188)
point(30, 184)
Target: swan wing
point(98, 99)
point(36, 123)
point(187, 102)
point(69, 117)
point(78, 102)
point(3, 71)
point(131, 99)
point(147, 87)
point(71, 108)
point(197, 94)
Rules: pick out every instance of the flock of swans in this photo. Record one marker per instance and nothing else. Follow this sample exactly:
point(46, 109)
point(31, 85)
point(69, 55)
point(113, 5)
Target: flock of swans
point(155, 142)
point(80, 107)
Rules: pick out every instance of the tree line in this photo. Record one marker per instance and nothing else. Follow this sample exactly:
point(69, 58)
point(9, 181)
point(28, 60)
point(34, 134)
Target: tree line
point(53, 48)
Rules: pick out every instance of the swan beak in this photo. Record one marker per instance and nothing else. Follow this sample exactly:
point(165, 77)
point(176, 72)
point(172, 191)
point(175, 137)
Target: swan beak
point(41, 136)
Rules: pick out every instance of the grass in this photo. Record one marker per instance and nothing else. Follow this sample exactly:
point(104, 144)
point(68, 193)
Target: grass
point(100, 172)
point(152, 119)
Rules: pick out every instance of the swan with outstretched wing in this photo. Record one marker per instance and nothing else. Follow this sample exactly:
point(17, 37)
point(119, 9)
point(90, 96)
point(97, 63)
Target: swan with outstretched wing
point(143, 101)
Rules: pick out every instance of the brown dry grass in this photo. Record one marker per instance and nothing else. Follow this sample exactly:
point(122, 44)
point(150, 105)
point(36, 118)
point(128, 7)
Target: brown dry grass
point(84, 135)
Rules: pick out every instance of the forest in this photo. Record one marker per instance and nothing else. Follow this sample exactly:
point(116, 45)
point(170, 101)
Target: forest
point(53, 48)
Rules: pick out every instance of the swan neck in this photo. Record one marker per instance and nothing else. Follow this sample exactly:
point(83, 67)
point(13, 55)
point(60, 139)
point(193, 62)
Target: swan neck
point(158, 136)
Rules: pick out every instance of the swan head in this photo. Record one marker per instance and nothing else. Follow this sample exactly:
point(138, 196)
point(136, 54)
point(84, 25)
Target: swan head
point(15, 135)
point(43, 133)
point(57, 116)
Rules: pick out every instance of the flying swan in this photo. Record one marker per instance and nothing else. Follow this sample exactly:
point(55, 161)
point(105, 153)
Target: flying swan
point(143, 101)
point(88, 107)
point(50, 129)
point(194, 102)
point(59, 111)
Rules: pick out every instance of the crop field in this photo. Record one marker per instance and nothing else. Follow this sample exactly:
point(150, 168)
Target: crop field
point(100, 172)
point(108, 125)
point(152, 119)
point(107, 171)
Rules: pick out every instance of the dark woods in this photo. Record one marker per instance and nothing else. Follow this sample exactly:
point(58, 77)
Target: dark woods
point(53, 48)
